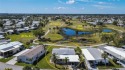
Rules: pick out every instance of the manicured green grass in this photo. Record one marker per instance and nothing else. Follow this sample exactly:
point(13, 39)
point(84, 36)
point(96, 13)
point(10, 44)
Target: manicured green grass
point(117, 28)
point(54, 37)
point(22, 37)
point(55, 23)
point(6, 59)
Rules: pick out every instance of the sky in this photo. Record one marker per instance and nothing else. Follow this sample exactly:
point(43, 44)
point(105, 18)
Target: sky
point(63, 6)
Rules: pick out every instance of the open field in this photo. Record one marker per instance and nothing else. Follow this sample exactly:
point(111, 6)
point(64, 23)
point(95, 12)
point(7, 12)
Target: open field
point(22, 37)
point(54, 37)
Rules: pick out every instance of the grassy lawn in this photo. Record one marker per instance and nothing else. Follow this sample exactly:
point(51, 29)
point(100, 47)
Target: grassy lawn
point(6, 59)
point(55, 23)
point(22, 37)
point(117, 28)
point(79, 27)
point(54, 37)
point(44, 63)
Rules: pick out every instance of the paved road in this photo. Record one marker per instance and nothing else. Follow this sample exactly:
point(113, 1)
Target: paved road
point(45, 33)
point(72, 46)
point(34, 41)
point(14, 60)
point(14, 67)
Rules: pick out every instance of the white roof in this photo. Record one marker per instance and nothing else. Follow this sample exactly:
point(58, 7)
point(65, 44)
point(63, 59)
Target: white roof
point(22, 52)
point(87, 54)
point(71, 58)
point(8, 46)
point(116, 51)
point(1, 36)
point(36, 22)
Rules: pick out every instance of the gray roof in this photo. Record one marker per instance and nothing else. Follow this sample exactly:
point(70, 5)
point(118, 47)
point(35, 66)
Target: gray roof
point(63, 51)
point(95, 53)
point(102, 47)
point(34, 51)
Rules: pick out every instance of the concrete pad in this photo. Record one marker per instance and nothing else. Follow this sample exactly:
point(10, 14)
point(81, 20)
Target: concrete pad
point(12, 61)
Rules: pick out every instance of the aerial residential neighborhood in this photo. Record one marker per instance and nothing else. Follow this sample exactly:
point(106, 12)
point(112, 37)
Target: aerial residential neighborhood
point(62, 35)
point(74, 42)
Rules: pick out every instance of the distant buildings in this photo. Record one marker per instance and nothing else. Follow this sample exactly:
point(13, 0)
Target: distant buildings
point(32, 55)
point(20, 24)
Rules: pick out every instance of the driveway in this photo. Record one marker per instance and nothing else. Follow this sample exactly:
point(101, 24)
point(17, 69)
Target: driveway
point(14, 67)
point(12, 61)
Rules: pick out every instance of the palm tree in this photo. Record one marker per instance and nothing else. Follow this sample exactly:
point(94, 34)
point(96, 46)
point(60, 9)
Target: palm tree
point(54, 58)
point(104, 55)
point(66, 61)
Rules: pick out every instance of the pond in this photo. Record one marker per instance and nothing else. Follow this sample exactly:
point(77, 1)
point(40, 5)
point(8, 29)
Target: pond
point(107, 30)
point(71, 32)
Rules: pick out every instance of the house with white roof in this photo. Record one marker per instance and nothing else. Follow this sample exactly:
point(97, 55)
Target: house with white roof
point(1, 37)
point(63, 53)
point(115, 53)
point(10, 31)
point(35, 24)
point(10, 48)
point(32, 55)
point(92, 57)
point(8, 23)
point(20, 24)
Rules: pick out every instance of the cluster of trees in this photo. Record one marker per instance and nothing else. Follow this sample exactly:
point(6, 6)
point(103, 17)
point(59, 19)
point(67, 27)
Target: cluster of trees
point(115, 23)
point(68, 23)
point(116, 39)
point(107, 37)
point(38, 33)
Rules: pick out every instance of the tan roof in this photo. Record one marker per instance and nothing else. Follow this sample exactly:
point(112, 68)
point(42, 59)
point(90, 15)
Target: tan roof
point(34, 51)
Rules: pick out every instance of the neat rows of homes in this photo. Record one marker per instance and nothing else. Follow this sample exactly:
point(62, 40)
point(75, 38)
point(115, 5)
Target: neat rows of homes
point(18, 26)
point(23, 55)
point(92, 56)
